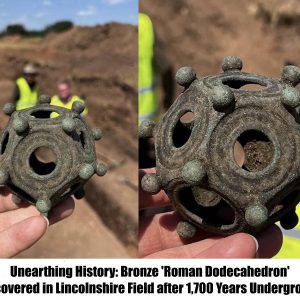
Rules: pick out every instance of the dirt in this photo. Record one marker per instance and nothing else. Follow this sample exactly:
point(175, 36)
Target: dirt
point(101, 63)
point(258, 155)
point(201, 33)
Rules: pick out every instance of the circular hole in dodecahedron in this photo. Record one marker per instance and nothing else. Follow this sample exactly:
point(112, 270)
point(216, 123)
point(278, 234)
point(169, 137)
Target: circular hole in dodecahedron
point(45, 114)
point(253, 151)
point(4, 142)
point(183, 129)
point(243, 85)
point(208, 205)
point(43, 161)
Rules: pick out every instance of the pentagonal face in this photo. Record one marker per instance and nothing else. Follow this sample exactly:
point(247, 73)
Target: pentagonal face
point(247, 148)
point(268, 151)
point(44, 161)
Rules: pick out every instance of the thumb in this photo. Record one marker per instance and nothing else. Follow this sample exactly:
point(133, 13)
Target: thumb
point(22, 235)
point(240, 245)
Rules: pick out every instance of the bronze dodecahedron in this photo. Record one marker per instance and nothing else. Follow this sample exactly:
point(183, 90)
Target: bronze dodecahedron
point(228, 156)
point(47, 154)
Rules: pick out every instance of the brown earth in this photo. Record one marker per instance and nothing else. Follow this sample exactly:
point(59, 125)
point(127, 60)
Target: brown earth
point(201, 33)
point(101, 62)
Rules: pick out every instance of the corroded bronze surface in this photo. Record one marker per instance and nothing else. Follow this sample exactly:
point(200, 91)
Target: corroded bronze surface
point(47, 153)
point(233, 164)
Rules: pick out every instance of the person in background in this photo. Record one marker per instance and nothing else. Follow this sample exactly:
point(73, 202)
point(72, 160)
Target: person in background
point(65, 98)
point(26, 92)
point(155, 70)
point(148, 103)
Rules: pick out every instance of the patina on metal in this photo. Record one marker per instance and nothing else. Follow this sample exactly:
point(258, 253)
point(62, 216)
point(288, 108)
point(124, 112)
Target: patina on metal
point(47, 154)
point(197, 143)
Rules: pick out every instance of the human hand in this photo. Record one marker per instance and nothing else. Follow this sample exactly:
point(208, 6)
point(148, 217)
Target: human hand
point(21, 225)
point(158, 237)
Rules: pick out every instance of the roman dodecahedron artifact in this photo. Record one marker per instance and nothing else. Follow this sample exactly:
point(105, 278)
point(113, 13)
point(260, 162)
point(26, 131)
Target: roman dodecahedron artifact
point(47, 154)
point(227, 155)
